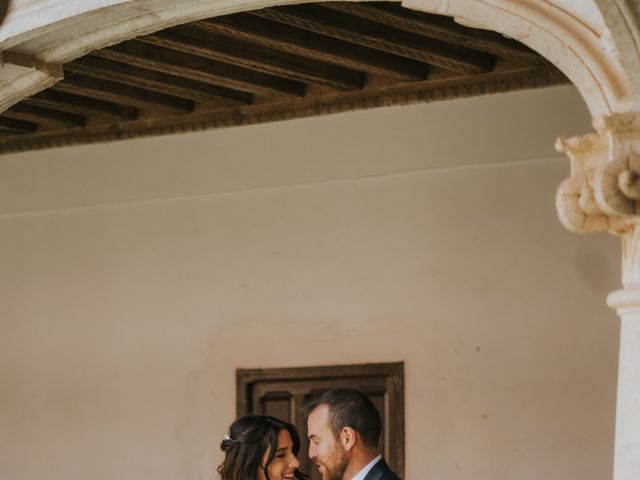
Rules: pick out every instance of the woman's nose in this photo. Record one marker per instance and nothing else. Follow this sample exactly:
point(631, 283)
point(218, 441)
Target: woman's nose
point(294, 462)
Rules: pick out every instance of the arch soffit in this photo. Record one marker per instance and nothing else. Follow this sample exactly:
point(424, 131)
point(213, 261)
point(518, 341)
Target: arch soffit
point(578, 36)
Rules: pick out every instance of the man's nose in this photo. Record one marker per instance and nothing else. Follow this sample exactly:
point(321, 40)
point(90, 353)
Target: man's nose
point(312, 452)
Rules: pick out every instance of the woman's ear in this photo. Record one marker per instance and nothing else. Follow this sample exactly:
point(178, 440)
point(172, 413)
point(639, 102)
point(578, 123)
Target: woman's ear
point(347, 438)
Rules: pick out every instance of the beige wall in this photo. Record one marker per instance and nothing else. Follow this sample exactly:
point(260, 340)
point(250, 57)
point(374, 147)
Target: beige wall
point(137, 276)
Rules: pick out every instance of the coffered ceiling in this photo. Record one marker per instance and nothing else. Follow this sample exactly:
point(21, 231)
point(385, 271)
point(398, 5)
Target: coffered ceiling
point(266, 65)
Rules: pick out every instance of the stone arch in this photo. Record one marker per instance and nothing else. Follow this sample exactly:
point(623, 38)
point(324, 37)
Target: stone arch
point(622, 18)
point(572, 35)
point(583, 39)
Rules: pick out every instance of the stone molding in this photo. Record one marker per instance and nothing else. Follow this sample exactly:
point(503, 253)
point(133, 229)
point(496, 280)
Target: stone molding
point(622, 18)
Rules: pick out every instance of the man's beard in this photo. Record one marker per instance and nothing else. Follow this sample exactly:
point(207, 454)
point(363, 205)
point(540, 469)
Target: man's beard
point(336, 466)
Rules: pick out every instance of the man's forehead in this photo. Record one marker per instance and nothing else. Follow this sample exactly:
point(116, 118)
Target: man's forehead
point(319, 416)
point(321, 412)
point(318, 423)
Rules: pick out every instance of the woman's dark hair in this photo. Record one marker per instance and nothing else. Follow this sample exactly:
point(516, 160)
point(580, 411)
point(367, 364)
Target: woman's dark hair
point(245, 444)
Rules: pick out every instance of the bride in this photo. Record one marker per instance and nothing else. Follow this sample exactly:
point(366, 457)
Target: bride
point(259, 447)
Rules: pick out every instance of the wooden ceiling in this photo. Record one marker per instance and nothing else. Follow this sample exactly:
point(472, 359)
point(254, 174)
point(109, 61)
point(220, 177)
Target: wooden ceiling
point(270, 64)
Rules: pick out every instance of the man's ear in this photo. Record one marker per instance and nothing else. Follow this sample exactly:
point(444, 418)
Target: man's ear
point(348, 438)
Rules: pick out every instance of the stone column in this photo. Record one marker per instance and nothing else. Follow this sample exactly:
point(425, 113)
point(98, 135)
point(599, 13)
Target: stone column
point(603, 194)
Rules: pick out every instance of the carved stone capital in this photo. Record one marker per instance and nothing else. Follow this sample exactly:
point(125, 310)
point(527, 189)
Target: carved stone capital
point(603, 191)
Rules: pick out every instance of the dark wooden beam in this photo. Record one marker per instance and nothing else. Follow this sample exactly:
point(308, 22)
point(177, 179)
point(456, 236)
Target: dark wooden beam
point(88, 107)
point(158, 82)
point(201, 69)
point(310, 45)
point(46, 117)
point(124, 94)
point(17, 126)
point(440, 27)
point(256, 57)
point(373, 35)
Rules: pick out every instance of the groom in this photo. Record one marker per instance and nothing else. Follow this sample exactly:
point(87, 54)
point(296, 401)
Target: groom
point(344, 430)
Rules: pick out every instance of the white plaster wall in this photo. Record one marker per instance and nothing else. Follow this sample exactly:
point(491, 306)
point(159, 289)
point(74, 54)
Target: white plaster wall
point(135, 277)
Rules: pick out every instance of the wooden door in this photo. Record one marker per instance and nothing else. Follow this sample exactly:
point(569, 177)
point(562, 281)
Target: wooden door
point(281, 392)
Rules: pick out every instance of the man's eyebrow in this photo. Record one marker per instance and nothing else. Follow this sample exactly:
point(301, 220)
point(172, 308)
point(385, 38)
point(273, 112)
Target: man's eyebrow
point(313, 435)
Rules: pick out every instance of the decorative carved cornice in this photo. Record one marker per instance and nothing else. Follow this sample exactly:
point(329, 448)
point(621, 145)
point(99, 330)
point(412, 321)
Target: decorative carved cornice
point(418, 92)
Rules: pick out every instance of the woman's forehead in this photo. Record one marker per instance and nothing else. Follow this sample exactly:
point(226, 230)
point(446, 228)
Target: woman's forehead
point(284, 438)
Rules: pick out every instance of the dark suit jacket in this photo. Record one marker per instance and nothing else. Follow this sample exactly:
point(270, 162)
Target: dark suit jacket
point(381, 471)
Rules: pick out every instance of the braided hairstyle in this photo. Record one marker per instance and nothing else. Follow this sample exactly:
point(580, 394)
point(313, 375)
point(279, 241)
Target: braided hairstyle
point(248, 439)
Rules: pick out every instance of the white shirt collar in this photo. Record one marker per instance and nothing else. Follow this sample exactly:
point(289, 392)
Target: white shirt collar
point(363, 473)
